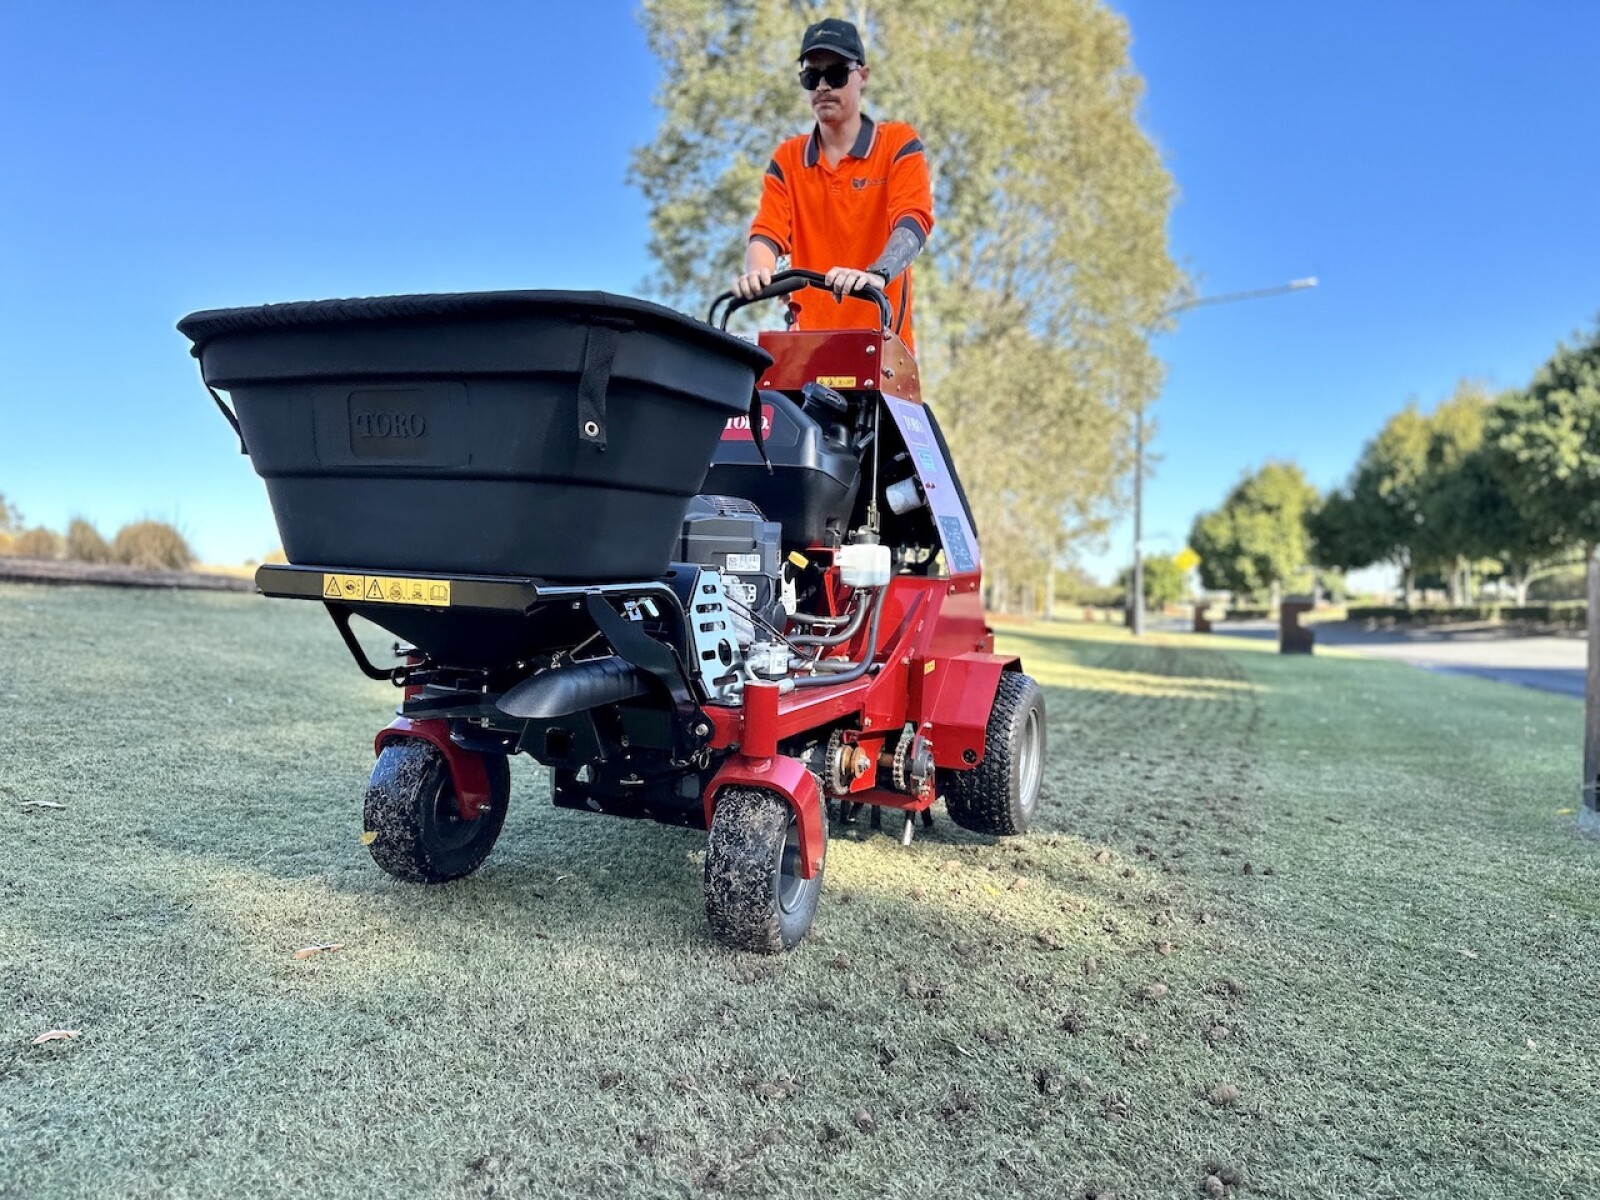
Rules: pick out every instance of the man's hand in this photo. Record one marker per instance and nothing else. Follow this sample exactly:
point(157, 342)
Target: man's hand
point(751, 282)
point(760, 261)
point(848, 279)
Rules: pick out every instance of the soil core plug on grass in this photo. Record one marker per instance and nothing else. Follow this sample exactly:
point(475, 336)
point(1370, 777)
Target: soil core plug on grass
point(1223, 1094)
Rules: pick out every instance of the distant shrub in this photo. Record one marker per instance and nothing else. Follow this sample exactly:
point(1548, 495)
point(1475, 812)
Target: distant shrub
point(1567, 613)
point(152, 545)
point(1573, 614)
point(276, 556)
point(1569, 584)
point(38, 542)
point(85, 544)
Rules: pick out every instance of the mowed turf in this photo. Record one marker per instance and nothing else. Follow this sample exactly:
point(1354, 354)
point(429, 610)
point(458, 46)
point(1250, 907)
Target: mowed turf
point(1305, 927)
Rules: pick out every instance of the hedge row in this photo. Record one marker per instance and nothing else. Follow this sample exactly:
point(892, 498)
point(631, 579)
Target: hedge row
point(1572, 613)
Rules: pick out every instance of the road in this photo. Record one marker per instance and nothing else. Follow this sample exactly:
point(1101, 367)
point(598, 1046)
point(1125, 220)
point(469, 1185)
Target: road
point(1550, 663)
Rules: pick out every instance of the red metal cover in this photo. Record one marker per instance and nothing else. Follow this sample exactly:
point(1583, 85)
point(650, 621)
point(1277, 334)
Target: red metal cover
point(849, 359)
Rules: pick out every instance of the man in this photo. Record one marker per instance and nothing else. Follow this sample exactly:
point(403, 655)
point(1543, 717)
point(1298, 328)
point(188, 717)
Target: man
point(851, 199)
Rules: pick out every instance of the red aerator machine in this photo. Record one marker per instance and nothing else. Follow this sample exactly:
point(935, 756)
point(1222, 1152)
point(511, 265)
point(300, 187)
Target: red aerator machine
point(713, 583)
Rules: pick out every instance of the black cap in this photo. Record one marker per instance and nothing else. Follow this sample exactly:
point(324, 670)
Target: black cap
point(836, 35)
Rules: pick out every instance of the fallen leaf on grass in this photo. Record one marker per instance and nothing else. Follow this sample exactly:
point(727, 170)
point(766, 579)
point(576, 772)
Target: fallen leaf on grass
point(1469, 953)
point(1565, 812)
point(308, 951)
point(369, 836)
point(57, 1035)
point(41, 804)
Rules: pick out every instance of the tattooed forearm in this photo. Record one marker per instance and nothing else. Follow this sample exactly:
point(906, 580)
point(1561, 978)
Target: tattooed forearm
point(902, 246)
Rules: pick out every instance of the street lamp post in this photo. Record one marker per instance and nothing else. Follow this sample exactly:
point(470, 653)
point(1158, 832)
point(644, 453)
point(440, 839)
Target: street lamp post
point(1294, 285)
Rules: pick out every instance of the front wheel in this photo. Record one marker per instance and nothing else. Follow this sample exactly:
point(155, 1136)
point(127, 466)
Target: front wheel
point(756, 898)
point(1000, 795)
point(415, 829)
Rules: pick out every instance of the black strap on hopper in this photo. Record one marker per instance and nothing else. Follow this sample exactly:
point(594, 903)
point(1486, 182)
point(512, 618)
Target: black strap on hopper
point(228, 414)
point(757, 432)
point(599, 349)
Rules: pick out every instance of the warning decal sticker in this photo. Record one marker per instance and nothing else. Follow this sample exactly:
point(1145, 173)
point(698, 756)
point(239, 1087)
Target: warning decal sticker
point(386, 589)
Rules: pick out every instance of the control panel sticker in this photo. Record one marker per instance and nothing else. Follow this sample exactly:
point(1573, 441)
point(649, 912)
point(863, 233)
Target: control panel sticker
point(386, 589)
point(837, 381)
point(955, 544)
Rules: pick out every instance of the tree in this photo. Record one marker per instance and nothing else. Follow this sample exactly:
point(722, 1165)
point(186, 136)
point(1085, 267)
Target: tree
point(1452, 486)
point(1549, 437)
point(1048, 266)
point(1377, 516)
point(1258, 538)
point(1164, 581)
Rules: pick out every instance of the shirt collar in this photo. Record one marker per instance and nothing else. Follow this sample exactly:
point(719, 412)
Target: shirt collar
point(861, 149)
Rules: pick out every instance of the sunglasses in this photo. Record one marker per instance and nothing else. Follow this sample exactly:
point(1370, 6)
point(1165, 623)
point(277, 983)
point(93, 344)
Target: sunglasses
point(835, 75)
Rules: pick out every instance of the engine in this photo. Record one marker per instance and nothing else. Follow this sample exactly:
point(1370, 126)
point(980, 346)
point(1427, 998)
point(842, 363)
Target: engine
point(737, 615)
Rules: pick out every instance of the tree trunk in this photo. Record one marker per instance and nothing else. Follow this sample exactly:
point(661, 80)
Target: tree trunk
point(1520, 584)
point(1050, 594)
point(1275, 596)
point(1408, 578)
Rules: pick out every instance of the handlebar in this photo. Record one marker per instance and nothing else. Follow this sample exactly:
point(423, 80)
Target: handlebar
point(793, 280)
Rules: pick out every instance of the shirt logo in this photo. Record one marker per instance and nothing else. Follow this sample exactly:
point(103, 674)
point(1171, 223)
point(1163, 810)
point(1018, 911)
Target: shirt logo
point(859, 184)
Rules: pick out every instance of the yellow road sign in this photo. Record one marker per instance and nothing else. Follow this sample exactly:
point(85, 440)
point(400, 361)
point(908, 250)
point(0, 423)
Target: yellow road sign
point(1186, 559)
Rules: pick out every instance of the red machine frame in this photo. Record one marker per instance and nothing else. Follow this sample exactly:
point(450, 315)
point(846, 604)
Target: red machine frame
point(938, 672)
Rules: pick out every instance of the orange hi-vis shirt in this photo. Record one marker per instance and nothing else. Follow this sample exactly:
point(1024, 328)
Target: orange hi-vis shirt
point(824, 217)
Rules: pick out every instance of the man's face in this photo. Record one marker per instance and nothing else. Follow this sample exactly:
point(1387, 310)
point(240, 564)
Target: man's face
point(834, 104)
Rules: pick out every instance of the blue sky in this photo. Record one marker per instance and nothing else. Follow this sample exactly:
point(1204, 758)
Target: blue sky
point(1432, 164)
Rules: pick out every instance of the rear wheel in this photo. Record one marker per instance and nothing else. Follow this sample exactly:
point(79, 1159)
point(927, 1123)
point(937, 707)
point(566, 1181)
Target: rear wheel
point(756, 898)
point(1000, 795)
point(418, 833)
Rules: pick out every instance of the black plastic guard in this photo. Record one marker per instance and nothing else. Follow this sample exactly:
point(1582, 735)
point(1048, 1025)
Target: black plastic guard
point(578, 688)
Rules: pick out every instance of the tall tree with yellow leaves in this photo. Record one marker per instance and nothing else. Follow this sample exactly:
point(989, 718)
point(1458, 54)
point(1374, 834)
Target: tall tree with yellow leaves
point(1048, 267)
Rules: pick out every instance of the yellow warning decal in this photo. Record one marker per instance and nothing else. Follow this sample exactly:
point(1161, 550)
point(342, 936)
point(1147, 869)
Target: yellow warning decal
point(848, 381)
point(927, 667)
point(386, 589)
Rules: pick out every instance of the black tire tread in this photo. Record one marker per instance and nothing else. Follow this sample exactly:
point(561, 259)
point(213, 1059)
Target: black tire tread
point(747, 830)
point(980, 799)
point(391, 812)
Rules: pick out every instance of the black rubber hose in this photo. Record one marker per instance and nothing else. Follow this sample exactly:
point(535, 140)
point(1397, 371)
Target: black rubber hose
point(862, 667)
point(833, 639)
point(800, 618)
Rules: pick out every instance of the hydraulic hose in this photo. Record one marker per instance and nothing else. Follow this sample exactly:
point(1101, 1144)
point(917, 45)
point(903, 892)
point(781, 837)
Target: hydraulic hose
point(800, 618)
point(833, 639)
point(860, 668)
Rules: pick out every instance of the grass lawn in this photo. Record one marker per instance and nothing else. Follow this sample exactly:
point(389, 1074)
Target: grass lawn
point(1311, 927)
